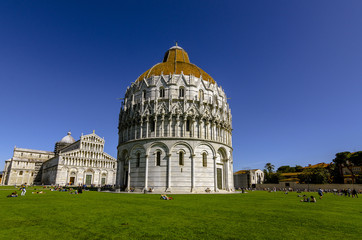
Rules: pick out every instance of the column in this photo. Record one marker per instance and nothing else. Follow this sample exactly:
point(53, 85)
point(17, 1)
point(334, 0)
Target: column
point(168, 189)
point(227, 175)
point(215, 176)
point(147, 127)
point(212, 131)
point(218, 132)
point(177, 126)
point(162, 125)
point(135, 131)
point(192, 128)
point(141, 128)
point(146, 174)
point(192, 172)
point(155, 126)
point(129, 175)
point(201, 128)
point(126, 129)
point(169, 134)
point(184, 127)
point(207, 129)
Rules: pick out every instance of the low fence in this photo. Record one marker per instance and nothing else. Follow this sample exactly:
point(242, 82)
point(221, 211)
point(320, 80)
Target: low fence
point(311, 187)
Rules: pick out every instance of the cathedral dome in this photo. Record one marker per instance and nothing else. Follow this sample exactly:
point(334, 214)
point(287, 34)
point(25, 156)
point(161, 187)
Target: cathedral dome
point(176, 61)
point(67, 139)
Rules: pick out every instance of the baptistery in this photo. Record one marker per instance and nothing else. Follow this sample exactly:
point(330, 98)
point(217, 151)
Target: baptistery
point(175, 132)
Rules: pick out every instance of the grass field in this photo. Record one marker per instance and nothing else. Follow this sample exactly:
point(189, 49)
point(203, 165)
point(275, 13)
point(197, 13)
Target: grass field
point(255, 215)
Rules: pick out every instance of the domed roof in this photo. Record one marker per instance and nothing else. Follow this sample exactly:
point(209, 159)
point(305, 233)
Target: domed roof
point(175, 61)
point(67, 139)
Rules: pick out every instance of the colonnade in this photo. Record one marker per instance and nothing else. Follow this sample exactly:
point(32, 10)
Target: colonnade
point(88, 162)
point(92, 146)
point(176, 126)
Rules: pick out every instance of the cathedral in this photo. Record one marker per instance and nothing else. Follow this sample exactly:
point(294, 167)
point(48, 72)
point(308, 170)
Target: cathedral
point(175, 132)
point(81, 162)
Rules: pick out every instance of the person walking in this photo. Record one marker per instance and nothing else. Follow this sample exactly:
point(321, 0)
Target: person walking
point(23, 191)
point(354, 193)
point(320, 193)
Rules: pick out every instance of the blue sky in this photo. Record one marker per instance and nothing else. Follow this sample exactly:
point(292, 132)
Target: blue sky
point(292, 69)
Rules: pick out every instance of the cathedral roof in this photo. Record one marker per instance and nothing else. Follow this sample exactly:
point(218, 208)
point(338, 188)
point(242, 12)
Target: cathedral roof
point(67, 139)
point(175, 61)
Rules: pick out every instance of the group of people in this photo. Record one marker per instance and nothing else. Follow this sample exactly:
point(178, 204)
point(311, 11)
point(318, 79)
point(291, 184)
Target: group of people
point(307, 199)
point(38, 192)
point(348, 192)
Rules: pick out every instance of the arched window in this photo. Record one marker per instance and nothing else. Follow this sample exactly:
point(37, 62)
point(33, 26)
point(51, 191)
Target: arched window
point(162, 92)
point(188, 125)
point(138, 160)
point(21, 173)
point(201, 95)
point(158, 159)
point(204, 159)
point(181, 158)
point(144, 94)
point(181, 92)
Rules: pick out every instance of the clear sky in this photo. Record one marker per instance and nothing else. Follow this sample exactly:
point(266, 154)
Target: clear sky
point(292, 69)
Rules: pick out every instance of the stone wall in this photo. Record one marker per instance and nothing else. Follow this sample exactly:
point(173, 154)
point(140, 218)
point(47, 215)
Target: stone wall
point(312, 187)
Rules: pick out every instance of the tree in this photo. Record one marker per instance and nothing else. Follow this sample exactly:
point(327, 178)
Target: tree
point(355, 159)
point(269, 175)
point(298, 168)
point(340, 161)
point(314, 176)
point(269, 167)
point(284, 169)
point(346, 160)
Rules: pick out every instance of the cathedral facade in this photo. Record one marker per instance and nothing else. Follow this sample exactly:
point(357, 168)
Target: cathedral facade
point(175, 132)
point(81, 162)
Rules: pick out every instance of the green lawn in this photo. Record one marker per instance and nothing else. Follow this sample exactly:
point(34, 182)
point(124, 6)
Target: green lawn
point(255, 215)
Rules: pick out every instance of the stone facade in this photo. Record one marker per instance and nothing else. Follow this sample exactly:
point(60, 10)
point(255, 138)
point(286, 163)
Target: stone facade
point(175, 132)
point(24, 167)
point(248, 178)
point(72, 163)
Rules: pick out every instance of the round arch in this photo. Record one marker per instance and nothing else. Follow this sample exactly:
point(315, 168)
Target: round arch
point(208, 145)
point(182, 143)
point(158, 144)
point(223, 153)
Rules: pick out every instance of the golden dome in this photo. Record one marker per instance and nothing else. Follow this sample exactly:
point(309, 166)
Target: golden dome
point(176, 60)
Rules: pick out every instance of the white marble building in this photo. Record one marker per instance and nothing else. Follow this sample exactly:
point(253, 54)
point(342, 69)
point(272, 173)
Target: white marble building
point(175, 130)
point(24, 167)
point(72, 163)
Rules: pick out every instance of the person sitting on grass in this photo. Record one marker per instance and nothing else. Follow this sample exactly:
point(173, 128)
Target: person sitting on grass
point(313, 199)
point(164, 197)
point(14, 194)
point(305, 199)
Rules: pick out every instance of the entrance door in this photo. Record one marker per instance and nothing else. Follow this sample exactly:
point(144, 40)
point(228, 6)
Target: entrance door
point(71, 180)
point(219, 178)
point(103, 181)
point(88, 179)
